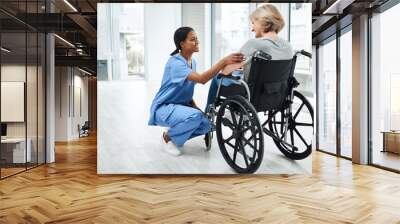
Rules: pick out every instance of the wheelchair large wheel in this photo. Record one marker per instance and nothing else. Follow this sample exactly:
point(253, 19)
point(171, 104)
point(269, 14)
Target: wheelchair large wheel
point(300, 128)
point(239, 135)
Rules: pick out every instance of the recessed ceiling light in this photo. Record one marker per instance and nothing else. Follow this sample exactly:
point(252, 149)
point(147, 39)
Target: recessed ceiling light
point(5, 50)
point(86, 72)
point(70, 5)
point(337, 7)
point(64, 40)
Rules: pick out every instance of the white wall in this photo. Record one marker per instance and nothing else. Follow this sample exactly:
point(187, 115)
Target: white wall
point(194, 15)
point(61, 103)
point(33, 126)
point(16, 73)
point(67, 117)
point(160, 22)
point(80, 83)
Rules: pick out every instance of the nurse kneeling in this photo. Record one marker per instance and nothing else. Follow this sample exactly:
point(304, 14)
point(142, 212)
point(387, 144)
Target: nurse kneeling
point(173, 105)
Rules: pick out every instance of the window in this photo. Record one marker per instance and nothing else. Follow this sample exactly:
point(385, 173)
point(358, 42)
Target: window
point(134, 48)
point(120, 41)
point(385, 89)
point(22, 78)
point(302, 42)
point(346, 94)
point(327, 96)
point(231, 28)
point(132, 41)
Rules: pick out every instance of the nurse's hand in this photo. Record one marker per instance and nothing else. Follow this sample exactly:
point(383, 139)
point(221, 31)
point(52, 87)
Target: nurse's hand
point(233, 58)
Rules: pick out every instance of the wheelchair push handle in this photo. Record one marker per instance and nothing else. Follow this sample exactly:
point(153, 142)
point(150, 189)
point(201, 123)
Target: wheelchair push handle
point(305, 53)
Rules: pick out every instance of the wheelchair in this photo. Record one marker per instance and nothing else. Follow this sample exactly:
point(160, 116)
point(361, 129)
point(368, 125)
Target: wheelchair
point(288, 115)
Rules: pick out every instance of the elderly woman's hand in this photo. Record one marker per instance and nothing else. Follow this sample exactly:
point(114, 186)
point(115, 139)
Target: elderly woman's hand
point(234, 58)
point(232, 67)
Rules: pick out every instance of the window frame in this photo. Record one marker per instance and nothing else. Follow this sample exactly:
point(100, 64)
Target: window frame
point(334, 37)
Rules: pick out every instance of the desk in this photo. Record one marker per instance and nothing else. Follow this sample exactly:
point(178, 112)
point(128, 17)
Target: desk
point(16, 148)
point(391, 141)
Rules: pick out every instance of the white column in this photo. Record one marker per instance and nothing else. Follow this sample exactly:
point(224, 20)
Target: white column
point(314, 87)
point(360, 90)
point(50, 99)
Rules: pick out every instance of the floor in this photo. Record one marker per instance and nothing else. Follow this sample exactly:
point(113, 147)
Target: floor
point(10, 171)
point(128, 145)
point(70, 191)
point(387, 159)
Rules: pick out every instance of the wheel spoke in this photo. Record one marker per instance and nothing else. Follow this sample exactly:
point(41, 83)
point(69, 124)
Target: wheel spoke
point(247, 142)
point(303, 124)
point(235, 151)
point(253, 158)
point(228, 139)
point(245, 129)
point(276, 122)
point(298, 111)
point(230, 144)
point(240, 121)
point(253, 136)
point(244, 155)
point(292, 136)
point(233, 118)
point(301, 137)
point(275, 129)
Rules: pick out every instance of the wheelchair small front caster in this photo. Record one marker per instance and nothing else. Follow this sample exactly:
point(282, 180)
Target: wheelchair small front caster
point(210, 114)
point(208, 140)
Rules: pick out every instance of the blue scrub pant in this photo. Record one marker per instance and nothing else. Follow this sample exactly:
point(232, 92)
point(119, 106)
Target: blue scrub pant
point(184, 122)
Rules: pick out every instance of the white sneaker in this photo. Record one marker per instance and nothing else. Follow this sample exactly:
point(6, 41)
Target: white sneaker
point(171, 148)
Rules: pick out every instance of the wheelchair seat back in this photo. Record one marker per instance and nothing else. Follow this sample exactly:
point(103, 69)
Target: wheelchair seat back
point(269, 82)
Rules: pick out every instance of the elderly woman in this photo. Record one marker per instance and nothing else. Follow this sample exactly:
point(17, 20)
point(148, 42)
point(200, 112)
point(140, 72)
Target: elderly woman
point(266, 23)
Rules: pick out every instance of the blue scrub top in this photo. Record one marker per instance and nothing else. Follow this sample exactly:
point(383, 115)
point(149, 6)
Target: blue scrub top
point(175, 88)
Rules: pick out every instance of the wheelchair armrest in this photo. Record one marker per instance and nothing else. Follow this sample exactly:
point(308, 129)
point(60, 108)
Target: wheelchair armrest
point(230, 76)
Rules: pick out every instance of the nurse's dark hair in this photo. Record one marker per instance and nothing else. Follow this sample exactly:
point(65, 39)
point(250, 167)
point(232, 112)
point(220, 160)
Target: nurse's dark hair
point(179, 36)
